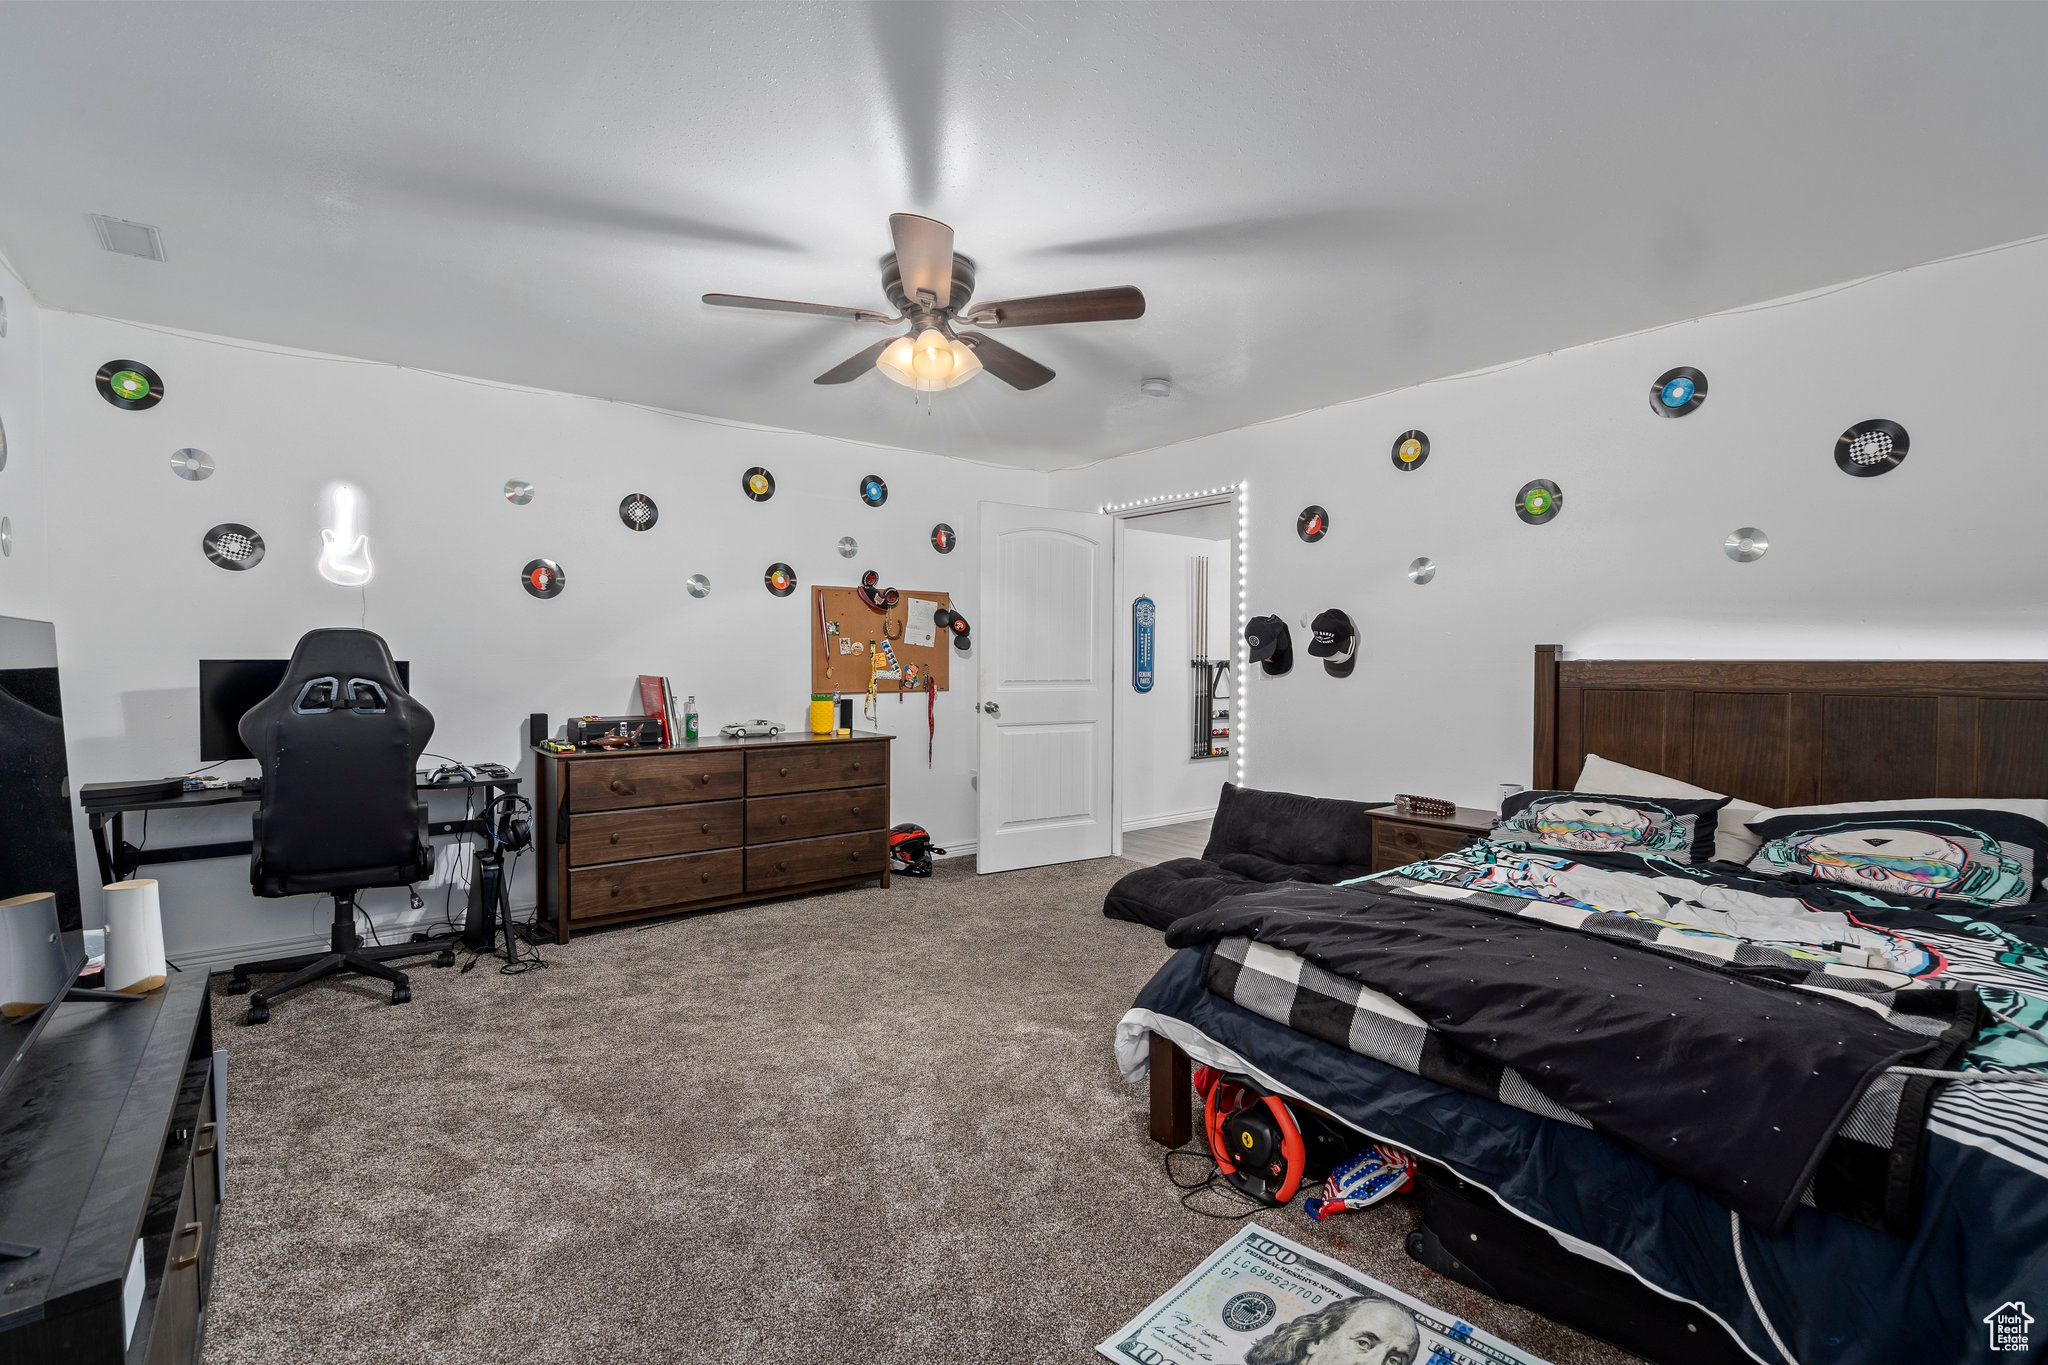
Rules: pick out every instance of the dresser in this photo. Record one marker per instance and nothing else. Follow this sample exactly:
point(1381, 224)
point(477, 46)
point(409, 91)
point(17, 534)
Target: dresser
point(1398, 839)
point(637, 833)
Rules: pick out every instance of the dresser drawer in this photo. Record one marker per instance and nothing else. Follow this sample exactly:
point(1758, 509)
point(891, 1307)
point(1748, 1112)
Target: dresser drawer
point(817, 860)
point(819, 767)
point(776, 819)
point(656, 780)
point(654, 832)
point(1396, 845)
point(622, 888)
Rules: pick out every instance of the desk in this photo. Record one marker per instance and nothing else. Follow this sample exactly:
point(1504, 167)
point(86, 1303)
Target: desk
point(118, 859)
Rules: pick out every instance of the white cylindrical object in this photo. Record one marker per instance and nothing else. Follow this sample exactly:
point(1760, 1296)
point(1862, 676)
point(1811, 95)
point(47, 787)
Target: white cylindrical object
point(31, 954)
point(135, 937)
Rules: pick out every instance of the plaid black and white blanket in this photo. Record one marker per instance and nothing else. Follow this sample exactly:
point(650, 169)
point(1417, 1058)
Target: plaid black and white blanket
point(1744, 1041)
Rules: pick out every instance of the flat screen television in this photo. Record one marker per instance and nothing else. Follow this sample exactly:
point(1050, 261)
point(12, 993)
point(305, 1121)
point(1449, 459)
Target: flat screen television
point(229, 687)
point(37, 851)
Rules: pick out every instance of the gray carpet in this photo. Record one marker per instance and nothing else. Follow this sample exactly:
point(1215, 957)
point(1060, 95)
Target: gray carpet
point(870, 1126)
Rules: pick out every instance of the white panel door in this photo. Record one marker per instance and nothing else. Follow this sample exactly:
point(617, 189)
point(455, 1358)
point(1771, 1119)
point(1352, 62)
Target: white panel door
point(1044, 645)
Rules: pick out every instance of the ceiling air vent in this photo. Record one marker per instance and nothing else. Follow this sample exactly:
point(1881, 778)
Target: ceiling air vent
point(130, 239)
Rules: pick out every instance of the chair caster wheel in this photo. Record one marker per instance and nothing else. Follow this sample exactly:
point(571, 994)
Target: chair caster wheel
point(237, 986)
point(259, 1012)
point(401, 994)
point(446, 958)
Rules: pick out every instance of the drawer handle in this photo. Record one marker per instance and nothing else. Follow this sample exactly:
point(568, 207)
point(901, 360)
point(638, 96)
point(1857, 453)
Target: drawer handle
point(782, 772)
point(622, 786)
point(704, 828)
point(782, 819)
point(206, 1137)
point(856, 810)
point(704, 876)
point(704, 779)
point(615, 838)
point(856, 765)
point(195, 1232)
point(782, 867)
point(615, 888)
point(854, 856)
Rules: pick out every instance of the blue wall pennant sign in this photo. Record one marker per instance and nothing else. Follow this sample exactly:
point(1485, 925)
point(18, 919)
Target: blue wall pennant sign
point(1144, 617)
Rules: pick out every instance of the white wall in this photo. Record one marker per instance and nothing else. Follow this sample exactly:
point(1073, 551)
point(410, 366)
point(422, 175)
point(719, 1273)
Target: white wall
point(1157, 780)
point(1943, 557)
point(24, 573)
point(137, 605)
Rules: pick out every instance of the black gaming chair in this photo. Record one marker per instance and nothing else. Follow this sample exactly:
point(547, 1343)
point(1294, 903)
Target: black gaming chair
point(338, 741)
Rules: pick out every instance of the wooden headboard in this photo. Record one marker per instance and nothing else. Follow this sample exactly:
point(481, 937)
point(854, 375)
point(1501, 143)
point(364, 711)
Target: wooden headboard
point(1799, 732)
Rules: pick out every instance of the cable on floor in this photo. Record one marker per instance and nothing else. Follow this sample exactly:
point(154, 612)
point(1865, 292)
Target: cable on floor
point(1741, 1265)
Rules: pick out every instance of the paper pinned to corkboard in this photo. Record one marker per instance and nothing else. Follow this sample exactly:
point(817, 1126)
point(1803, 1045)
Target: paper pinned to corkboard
point(840, 620)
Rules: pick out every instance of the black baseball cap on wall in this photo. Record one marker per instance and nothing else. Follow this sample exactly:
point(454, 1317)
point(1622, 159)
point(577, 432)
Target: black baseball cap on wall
point(1271, 646)
point(1335, 643)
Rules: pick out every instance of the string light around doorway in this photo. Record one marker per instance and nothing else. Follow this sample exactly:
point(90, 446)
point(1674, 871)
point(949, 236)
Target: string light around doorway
point(1242, 492)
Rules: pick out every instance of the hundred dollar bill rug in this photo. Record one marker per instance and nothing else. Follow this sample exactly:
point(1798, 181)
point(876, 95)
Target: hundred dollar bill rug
point(874, 1126)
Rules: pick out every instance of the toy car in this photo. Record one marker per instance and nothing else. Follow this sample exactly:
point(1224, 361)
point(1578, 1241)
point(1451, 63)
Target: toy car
point(751, 729)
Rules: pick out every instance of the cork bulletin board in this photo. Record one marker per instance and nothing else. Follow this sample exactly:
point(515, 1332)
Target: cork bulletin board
point(857, 623)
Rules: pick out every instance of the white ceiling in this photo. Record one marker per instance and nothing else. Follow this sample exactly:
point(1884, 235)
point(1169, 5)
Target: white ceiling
point(1319, 200)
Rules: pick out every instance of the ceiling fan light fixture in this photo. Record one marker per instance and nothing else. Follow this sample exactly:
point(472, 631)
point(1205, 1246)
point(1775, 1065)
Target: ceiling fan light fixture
point(929, 362)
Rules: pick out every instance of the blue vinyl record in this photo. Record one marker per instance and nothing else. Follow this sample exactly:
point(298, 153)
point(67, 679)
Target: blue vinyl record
point(873, 491)
point(1678, 392)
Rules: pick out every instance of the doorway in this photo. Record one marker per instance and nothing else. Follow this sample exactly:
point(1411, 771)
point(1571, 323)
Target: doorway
point(1176, 741)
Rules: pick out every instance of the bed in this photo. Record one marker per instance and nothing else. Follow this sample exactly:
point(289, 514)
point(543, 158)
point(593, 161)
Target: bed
point(1933, 1230)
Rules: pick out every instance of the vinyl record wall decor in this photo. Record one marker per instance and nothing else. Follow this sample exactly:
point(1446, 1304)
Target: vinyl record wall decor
point(518, 492)
point(873, 491)
point(1411, 449)
point(1313, 524)
point(1871, 448)
point(543, 578)
point(779, 579)
point(848, 547)
point(1745, 545)
point(758, 484)
point(943, 539)
point(638, 512)
point(1538, 501)
point(1678, 392)
point(129, 384)
point(233, 546)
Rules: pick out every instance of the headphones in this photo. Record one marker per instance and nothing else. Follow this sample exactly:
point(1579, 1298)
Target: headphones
point(508, 822)
point(881, 599)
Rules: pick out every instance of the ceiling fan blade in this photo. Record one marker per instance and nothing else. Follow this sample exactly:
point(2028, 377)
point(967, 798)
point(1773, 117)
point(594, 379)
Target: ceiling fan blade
point(855, 365)
point(823, 310)
point(924, 256)
point(1017, 370)
point(1086, 305)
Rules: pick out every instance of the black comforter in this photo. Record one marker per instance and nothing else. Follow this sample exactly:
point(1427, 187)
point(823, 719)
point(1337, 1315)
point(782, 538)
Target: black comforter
point(1724, 1074)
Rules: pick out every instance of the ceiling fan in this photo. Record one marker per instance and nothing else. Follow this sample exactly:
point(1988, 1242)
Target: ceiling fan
point(930, 285)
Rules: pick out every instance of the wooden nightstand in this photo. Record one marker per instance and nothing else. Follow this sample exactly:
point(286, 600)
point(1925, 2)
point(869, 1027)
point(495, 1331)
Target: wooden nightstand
point(1398, 839)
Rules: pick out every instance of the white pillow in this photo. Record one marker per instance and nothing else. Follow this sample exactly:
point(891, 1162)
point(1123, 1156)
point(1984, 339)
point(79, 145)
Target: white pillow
point(1733, 842)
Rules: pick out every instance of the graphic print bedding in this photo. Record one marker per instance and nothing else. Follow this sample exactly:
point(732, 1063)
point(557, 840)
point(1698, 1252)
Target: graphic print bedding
point(1767, 1016)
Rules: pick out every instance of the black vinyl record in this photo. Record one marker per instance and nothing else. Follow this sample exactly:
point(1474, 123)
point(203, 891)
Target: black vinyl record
point(233, 546)
point(1538, 501)
point(638, 511)
point(780, 579)
point(873, 491)
point(1871, 448)
point(943, 539)
point(758, 484)
point(129, 384)
point(1313, 524)
point(543, 578)
point(1411, 449)
point(1678, 392)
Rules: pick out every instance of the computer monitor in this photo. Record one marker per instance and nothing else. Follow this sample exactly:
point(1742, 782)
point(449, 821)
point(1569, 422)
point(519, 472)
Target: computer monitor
point(229, 687)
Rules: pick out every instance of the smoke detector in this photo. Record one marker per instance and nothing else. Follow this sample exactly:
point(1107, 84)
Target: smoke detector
point(1156, 388)
point(129, 239)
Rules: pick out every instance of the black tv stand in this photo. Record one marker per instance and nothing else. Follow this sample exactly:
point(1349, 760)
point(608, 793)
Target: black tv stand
point(112, 1126)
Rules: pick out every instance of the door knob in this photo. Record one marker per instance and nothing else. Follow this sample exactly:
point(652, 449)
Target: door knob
point(992, 708)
